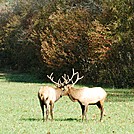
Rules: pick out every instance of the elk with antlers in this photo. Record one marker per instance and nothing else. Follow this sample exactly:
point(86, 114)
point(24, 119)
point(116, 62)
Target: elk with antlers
point(85, 96)
point(48, 96)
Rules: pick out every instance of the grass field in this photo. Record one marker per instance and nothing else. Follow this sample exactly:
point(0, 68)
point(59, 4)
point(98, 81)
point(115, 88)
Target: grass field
point(20, 112)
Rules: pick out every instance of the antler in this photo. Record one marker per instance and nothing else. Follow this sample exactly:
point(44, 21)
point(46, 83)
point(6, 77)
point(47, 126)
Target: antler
point(58, 84)
point(67, 80)
point(77, 79)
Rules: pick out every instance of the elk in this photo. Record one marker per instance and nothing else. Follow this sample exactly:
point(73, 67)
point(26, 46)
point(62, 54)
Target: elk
point(49, 95)
point(84, 96)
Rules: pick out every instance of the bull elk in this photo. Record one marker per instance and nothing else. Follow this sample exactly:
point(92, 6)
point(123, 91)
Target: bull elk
point(49, 95)
point(84, 96)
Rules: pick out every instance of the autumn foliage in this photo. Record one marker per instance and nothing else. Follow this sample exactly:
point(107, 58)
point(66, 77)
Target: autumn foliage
point(44, 36)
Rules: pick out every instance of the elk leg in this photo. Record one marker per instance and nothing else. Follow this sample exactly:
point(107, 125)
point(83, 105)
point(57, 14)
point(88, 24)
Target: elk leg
point(47, 112)
point(42, 108)
point(100, 106)
point(83, 111)
point(51, 110)
point(86, 112)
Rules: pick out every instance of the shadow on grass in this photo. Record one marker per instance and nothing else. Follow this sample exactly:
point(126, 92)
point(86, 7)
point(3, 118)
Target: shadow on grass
point(17, 77)
point(66, 119)
point(30, 119)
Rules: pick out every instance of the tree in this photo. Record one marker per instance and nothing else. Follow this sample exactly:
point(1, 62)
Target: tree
point(94, 37)
point(118, 16)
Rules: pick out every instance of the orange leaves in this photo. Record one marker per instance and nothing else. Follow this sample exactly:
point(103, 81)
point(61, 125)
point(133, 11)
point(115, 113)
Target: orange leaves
point(99, 42)
point(62, 36)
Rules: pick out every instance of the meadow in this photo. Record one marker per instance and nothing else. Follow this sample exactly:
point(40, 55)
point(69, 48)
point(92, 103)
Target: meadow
point(20, 111)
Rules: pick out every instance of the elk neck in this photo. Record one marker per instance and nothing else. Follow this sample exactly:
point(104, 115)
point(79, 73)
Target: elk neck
point(73, 93)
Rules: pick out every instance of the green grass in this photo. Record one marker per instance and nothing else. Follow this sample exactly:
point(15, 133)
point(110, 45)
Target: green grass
point(20, 112)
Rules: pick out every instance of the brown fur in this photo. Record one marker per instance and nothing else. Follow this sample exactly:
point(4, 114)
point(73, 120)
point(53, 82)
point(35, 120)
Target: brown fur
point(48, 96)
point(87, 96)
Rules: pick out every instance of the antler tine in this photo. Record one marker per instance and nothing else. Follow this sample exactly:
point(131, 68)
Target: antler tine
point(67, 79)
point(77, 79)
point(65, 75)
point(58, 84)
point(51, 78)
point(71, 79)
point(73, 74)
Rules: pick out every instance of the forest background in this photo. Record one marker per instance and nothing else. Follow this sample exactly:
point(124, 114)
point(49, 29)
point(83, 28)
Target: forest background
point(96, 37)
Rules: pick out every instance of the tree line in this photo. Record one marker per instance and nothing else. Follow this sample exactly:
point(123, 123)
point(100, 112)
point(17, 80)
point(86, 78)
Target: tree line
point(94, 37)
